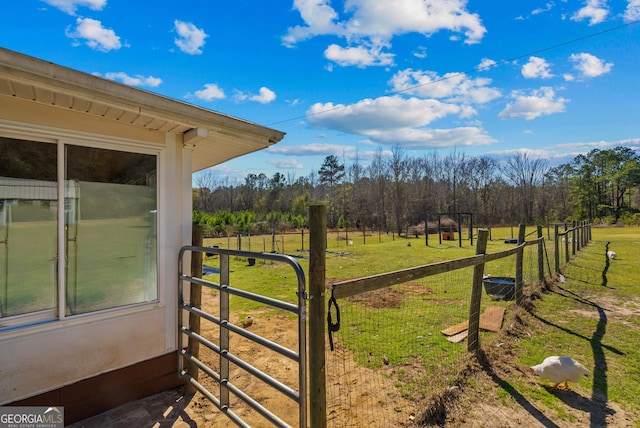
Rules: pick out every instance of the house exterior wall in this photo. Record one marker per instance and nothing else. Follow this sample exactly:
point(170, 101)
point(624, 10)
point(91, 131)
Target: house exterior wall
point(43, 357)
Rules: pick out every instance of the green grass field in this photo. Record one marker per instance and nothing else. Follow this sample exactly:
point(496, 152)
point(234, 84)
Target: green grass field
point(594, 316)
point(576, 318)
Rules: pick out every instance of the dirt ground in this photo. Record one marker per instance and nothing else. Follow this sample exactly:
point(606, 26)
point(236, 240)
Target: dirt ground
point(283, 330)
point(483, 397)
point(478, 401)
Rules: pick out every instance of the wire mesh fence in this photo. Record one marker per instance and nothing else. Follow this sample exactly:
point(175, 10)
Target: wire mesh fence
point(390, 353)
point(399, 350)
point(402, 350)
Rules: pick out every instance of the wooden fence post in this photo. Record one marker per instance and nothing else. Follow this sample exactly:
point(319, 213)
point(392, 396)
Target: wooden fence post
point(473, 341)
point(519, 267)
point(195, 297)
point(317, 265)
point(541, 256)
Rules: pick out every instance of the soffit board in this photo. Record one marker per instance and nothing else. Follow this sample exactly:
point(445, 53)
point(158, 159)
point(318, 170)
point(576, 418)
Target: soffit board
point(46, 83)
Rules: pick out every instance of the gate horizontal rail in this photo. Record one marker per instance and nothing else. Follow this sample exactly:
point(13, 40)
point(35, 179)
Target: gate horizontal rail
point(225, 327)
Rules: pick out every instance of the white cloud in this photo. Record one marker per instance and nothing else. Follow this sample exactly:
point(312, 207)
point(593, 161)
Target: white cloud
point(508, 153)
point(373, 25)
point(632, 12)
point(408, 16)
point(540, 10)
point(584, 147)
point(210, 92)
point(286, 164)
point(70, 6)
point(421, 138)
point(453, 87)
point(191, 38)
point(95, 35)
point(536, 68)
point(137, 80)
point(540, 102)
point(312, 149)
point(595, 11)
point(379, 113)
point(589, 65)
point(420, 52)
point(319, 18)
point(396, 120)
point(486, 64)
point(360, 56)
point(265, 96)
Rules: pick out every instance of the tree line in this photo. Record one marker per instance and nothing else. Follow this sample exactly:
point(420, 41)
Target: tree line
point(396, 191)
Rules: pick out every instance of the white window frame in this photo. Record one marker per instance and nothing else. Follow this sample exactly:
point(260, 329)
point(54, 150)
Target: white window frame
point(30, 132)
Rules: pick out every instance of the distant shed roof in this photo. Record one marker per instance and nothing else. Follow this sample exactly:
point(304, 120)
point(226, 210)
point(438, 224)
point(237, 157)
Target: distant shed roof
point(216, 137)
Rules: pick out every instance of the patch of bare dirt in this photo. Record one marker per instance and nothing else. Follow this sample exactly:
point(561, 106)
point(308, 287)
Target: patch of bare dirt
point(616, 310)
point(390, 297)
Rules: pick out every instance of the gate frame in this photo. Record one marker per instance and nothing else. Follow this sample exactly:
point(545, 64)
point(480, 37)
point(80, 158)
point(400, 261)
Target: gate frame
point(225, 386)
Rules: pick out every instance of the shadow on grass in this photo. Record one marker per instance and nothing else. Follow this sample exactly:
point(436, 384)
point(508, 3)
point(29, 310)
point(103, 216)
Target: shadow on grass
point(597, 407)
point(517, 396)
point(606, 265)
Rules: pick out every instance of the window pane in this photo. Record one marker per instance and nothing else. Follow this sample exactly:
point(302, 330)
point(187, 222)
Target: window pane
point(28, 194)
point(110, 205)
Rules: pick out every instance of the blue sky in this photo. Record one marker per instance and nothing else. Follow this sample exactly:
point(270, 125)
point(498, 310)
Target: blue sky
point(350, 78)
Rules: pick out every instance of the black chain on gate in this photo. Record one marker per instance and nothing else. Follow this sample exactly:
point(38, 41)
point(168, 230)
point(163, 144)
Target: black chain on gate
point(333, 327)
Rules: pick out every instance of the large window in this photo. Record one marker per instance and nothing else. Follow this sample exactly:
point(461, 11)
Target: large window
point(99, 252)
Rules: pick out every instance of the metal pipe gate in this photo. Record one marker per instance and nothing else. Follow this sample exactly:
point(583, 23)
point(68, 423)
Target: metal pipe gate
point(223, 350)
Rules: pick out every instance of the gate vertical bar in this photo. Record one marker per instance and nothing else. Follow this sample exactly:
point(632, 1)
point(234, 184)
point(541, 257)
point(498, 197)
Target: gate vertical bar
point(317, 265)
point(473, 342)
point(195, 297)
point(224, 331)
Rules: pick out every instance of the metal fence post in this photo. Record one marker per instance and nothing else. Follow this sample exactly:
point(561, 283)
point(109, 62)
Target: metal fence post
point(556, 252)
point(317, 265)
point(473, 341)
point(519, 267)
point(540, 256)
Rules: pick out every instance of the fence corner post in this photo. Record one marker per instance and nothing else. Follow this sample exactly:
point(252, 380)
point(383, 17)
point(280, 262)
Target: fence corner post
point(473, 341)
point(195, 298)
point(317, 328)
